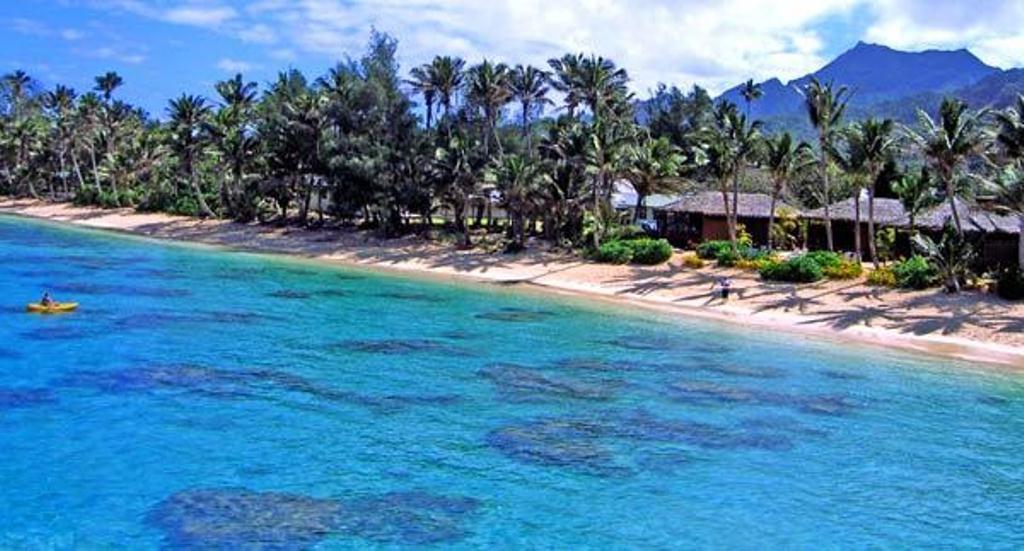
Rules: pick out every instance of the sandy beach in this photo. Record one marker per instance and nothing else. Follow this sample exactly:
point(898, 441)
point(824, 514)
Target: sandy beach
point(972, 326)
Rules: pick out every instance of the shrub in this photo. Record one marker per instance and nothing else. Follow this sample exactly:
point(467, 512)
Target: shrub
point(185, 206)
point(882, 277)
point(693, 261)
point(914, 273)
point(800, 269)
point(709, 250)
point(728, 257)
point(846, 269)
point(626, 233)
point(615, 252)
point(1010, 284)
point(650, 252)
point(825, 259)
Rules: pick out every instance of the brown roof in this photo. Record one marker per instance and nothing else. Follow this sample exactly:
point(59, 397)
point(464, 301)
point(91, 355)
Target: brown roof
point(749, 205)
point(888, 212)
point(972, 217)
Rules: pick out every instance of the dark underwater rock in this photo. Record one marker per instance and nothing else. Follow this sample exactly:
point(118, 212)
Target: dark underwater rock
point(11, 398)
point(516, 315)
point(518, 383)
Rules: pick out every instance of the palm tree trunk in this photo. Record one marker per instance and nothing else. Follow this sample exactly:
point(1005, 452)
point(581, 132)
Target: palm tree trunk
point(724, 188)
point(857, 247)
point(825, 192)
point(638, 211)
point(95, 170)
point(1020, 242)
point(950, 193)
point(430, 114)
point(872, 236)
point(734, 221)
point(78, 171)
point(204, 209)
point(771, 217)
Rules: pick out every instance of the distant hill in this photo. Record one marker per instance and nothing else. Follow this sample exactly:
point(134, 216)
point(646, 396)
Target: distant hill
point(888, 83)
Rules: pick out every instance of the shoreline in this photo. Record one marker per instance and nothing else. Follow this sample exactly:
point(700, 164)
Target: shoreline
point(824, 311)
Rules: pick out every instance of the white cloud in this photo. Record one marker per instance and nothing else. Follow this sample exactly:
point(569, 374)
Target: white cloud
point(71, 35)
point(235, 66)
point(714, 43)
point(115, 54)
point(990, 28)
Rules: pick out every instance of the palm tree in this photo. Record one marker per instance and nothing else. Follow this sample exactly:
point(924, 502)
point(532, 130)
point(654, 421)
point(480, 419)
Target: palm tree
point(825, 105)
point(518, 181)
point(566, 79)
point(488, 88)
point(601, 85)
point(1008, 191)
point(1010, 130)
point(188, 116)
point(784, 160)
point(446, 76)
point(529, 86)
point(872, 142)
point(653, 167)
point(60, 102)
point(107, 83)
point(233, 138)
point(423, 83)
point(17, 87)
point(948, 142)
point(751, 92)
point(917, 193)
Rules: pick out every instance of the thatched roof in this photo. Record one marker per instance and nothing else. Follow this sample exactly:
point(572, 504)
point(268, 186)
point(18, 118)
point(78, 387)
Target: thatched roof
point(888, 212)
point(749, 205)
point(972, 217)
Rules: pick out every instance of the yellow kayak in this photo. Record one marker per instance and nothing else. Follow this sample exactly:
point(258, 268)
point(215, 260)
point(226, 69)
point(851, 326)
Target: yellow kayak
point(56, 308)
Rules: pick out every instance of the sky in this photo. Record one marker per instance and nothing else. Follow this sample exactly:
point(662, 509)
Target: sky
point(165, 47)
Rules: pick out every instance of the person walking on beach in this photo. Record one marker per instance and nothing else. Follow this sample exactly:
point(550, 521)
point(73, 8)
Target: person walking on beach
point(724, 286)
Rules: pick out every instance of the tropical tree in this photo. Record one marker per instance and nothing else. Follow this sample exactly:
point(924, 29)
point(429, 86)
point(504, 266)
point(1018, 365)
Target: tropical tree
point(1008, 190)
point(232, 135)
point(951, 256)
point(653, 166)
point(751, 92)
point(518, 179)
point(422, 82)
point(566, 78)
point(529, 87)
point(826, 104)
point(784, 159)
point(446, 77)
point(188, 116)
point(488, 88)
point(947, 142)
point(1010, 130)
point(916, 191)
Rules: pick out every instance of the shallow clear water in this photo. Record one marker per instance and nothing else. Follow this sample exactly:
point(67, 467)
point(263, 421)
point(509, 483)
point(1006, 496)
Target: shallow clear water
point(222, 399)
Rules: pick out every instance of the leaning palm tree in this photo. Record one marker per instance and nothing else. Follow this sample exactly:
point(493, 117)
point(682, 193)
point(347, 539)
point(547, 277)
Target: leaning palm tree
point(957, 135)
point(1008, 190)
point(188, 115)
point(784, 160)
point(1010, 130)
point(917, 193)
point(653, 166)
point(825, 105)
point(423, 84)
point(751, 92)
point(529, 87)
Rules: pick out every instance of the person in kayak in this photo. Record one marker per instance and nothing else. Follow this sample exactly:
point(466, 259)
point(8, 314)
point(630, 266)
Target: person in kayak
point(47, 300)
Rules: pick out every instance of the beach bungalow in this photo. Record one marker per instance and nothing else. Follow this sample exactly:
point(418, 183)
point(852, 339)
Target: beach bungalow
point(624, 200)
point(996, 235)
point(699, 217)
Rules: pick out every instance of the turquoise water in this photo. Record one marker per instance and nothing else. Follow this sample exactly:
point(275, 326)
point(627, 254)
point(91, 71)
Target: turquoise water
point(211, 399)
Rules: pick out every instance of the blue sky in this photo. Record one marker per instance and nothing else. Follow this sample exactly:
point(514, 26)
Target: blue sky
point(165, 47)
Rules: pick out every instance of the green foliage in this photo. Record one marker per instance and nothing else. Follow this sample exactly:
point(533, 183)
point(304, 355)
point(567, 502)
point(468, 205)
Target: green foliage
point(825, 259)
point(693, 261)
point(882, 277)
point(709, 250)
point(650, 252)
point(914, 273)
point(615, 252)
point(1010, 284)
point(645, 251)
point(799, 269)
point(885, 243)
point(951, 257)
point(626, 233)
point(846, 269)
point(728, 257)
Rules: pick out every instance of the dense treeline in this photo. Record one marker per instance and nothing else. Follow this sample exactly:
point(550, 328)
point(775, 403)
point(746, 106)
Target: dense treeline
point(545, 145)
